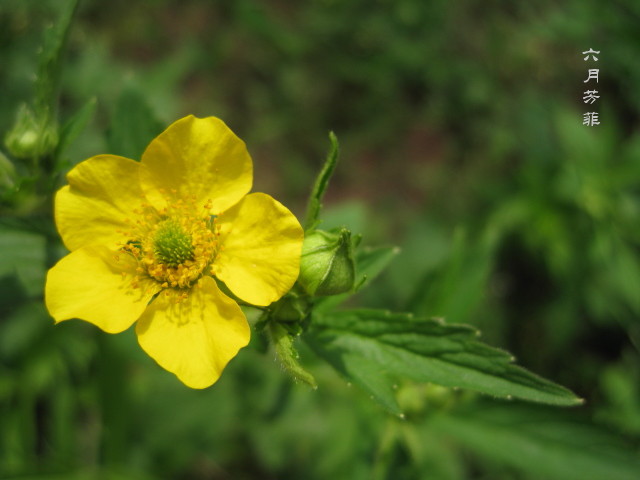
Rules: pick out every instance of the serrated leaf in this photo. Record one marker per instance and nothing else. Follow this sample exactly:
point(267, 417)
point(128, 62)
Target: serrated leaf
point(375, 349)
point(133, 125)
point(541, 442)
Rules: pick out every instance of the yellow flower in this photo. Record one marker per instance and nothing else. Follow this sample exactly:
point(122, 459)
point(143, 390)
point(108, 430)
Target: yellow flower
point(147, 239)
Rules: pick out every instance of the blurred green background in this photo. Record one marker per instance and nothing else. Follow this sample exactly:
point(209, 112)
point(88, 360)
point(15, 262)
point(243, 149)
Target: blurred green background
point(462, 142)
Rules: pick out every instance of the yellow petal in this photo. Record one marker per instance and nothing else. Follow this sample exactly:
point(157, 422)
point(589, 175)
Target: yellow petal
point(261, 246)
point(89, 284)
point(196, 338)
point(101, 194)
point(199, 158)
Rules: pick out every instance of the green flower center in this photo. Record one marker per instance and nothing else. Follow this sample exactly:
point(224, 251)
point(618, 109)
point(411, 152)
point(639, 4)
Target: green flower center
point(172, 246)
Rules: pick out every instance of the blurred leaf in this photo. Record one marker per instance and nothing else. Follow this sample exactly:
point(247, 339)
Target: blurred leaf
point(458, 286)
point(74, 341)
point(433, 455)
point(353, 214)
point(406, 275)
point(620, 386)
point(20, 329)
point(7, 177)
point(376, 348)
point(43, 369)
point(51, 58)
point(23, 253)
point(105, 473)
point(75, 125)
point(544, 443)
point(133, 125)
point(372, 261)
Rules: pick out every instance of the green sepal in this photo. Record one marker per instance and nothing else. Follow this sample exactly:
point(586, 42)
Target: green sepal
point(287, 354)
point(291, 311)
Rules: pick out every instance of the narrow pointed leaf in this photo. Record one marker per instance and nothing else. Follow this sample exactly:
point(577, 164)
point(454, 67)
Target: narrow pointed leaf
point(321, 184)
point(133, 125)
point(75, 125)
point(424, 350)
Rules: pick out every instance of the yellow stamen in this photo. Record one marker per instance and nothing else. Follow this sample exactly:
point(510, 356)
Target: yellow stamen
point(174, 246)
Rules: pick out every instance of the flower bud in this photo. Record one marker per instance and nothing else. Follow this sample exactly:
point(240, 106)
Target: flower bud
point(327, 266)
point(31, 137)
